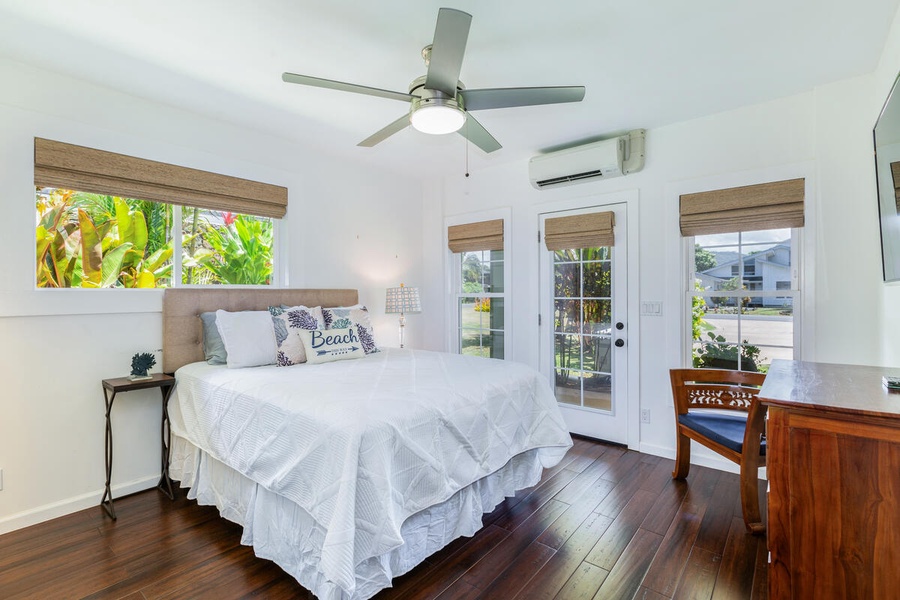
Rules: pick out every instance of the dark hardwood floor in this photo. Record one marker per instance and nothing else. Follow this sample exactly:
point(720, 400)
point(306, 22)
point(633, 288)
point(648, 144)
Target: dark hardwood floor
point(605, 523)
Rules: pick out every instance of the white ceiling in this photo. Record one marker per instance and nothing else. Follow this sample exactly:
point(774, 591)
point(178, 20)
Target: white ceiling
point(644, 64)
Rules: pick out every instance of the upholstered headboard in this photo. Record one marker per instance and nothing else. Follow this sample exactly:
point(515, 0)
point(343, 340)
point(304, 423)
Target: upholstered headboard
point(182, 331)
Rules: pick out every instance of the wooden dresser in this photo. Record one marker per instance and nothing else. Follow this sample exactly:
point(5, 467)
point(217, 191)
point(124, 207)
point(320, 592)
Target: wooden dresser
point(833, 463)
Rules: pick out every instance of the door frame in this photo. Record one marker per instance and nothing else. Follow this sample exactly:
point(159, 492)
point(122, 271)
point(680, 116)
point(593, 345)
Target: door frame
point(630, 199)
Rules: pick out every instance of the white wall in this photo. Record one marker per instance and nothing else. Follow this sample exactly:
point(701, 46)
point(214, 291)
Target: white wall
point(885, 74)
point(347, 226)
point(823, 135)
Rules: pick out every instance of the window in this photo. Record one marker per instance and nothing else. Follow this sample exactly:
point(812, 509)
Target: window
point(479, 287)
point(742, 287)
point(91, 232)
point(99, 241)
point(480, 302)
point(737, 323)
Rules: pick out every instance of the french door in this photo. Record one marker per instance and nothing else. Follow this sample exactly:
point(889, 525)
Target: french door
point(584, 329)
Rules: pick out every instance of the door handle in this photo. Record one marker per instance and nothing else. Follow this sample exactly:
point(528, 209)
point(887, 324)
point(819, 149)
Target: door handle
point(620, 325)
point(620, 342)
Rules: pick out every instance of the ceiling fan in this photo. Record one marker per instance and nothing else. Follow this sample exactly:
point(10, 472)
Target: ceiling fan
point(439, 102)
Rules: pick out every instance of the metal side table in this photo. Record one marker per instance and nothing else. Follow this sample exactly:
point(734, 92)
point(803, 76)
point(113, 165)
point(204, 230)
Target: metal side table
point(111, 387)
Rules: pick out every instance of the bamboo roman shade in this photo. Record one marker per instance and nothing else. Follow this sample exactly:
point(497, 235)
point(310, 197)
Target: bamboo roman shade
point(57, 164)
point(775, 205)
point(592, 230)
point(472, 237)
point(895, 177)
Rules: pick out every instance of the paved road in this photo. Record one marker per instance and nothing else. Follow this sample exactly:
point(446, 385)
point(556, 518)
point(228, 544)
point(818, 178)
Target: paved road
point(764, 332)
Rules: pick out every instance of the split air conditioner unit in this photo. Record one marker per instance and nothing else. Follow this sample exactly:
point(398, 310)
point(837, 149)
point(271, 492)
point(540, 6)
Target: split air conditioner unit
point(598, 160)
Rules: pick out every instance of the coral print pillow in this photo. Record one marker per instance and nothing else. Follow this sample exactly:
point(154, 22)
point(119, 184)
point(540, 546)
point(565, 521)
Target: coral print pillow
point(289, 322)
point(332, 344)
point(344, 317)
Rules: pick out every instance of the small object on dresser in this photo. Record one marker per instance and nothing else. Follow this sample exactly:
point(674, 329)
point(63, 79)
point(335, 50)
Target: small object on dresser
point(140, 364)
point(890, 382)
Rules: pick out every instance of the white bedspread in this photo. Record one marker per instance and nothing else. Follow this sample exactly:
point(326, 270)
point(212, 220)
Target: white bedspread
point(364, 444)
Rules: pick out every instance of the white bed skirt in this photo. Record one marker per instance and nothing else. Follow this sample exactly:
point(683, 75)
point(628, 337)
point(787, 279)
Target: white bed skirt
point(281, 531)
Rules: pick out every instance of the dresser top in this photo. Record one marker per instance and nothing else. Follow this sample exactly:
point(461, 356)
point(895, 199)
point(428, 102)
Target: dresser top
point(850, 389)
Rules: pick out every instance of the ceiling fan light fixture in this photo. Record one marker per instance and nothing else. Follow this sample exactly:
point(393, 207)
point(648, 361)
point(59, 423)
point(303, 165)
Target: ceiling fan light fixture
point(437, 116)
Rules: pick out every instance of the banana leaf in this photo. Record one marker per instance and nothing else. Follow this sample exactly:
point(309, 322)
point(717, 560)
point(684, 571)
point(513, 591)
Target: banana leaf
point(91, 251)
point(112, 264)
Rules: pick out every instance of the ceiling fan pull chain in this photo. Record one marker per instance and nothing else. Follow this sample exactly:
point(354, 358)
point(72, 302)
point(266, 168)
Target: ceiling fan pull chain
point(467, 146)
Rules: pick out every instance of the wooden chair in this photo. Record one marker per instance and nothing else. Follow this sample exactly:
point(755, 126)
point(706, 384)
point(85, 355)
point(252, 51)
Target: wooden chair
point(737, 437)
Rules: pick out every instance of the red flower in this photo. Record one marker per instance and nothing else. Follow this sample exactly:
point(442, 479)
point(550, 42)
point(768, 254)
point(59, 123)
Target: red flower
point(228, 218)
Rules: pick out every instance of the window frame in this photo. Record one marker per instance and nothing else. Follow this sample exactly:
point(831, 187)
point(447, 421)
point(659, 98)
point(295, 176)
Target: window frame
point(453, 270)
point(796, 291)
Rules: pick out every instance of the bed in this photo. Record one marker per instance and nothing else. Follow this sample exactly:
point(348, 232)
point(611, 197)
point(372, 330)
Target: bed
point(350, 473)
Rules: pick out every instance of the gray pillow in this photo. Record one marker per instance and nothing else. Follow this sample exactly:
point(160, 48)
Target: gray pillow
point(213, 346)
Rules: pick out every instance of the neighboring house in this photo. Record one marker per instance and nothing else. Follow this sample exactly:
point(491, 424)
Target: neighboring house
point(769, 269)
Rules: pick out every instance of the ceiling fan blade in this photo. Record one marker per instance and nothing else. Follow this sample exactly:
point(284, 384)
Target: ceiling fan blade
point(523, 96)
point(386, 132)
point(344, 87)
point(478, 135)
point(447, 50)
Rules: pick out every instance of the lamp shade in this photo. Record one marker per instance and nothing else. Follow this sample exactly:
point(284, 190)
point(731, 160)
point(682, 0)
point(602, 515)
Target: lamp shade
point(403, 300)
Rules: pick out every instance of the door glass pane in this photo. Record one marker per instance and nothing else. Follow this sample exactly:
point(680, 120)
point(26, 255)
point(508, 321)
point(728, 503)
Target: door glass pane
point(568, 387)
point(598, 391)
point(568, 280)
point(567, 315)
point(597, 280)
point(597, 316)
point(566, 255)
point(596, 353)
point(567, 352)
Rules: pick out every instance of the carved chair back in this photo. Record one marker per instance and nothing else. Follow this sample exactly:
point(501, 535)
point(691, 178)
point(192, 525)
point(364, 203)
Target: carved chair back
point(715, 388)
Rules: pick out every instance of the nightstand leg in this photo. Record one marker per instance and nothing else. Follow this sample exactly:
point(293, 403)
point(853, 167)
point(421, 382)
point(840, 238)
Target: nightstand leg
point(165, 483)
point(107, 501)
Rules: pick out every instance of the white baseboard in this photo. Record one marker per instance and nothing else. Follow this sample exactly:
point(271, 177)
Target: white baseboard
point(71, 505)
point(698, 458)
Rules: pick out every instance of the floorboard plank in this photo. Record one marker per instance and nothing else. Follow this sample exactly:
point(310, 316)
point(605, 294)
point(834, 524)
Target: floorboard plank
point(717, 520)
point(736, 573)
point(670, 561)
point(699, 576)
point(583, 583)
point(618, 536)
point(548, 582)
point(520, 572)
point(625, 577)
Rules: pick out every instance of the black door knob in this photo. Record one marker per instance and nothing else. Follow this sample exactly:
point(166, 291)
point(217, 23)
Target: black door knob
point(620, 326)
point(620, 342)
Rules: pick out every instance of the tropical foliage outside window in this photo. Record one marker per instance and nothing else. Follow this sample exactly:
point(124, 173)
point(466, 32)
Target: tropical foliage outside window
point(480, 301)
point(90, 240)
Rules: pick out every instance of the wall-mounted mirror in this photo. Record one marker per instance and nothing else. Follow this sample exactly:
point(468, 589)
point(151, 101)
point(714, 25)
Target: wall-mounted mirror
point(887, 169)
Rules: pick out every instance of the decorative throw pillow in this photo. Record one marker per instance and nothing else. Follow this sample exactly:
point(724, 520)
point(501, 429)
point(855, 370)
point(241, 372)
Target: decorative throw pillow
point(342, 317)
point(288, 323)
point(332, 344)
point(249, 337)
point(213, 347)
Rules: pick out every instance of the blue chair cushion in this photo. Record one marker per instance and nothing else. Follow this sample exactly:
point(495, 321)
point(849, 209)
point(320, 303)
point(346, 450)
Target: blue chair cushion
point(727, 430)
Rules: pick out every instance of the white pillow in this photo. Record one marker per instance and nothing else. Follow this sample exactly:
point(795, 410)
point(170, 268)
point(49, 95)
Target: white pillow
point(249, 338)
point(331, 344)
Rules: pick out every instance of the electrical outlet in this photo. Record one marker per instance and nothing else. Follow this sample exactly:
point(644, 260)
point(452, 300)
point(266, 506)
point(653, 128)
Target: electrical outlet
point(645, 415)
